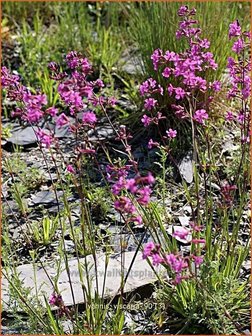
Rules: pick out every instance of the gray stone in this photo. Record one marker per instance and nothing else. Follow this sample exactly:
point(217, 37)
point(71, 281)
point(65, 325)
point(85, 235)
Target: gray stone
point(23, 136)
point(63, 131)
point(140, 274)
point(186, 168)
point(132, 65)
point(45, 197)
point(184, 220)
point(104, 132)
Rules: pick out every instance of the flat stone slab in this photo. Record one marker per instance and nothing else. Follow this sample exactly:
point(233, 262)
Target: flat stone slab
point(140, 275)
point(186, 168)
point(45, 197)
point(23, 136)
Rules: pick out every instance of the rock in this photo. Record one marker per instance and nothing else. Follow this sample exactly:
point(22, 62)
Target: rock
point(104, 132)
point(186, 168)
point(130, 241)
point(187, 209)
point(115, 216)
point(5, 188)
point(247, 265)
point(140, 274)
point(229, 146)
point(184, 220)
point(24, 228)
point(45, 197)
point(68, 327)
point(10, 208)
point(132, 65)
point(69, 245)
point(61, 132)
point(23, 136)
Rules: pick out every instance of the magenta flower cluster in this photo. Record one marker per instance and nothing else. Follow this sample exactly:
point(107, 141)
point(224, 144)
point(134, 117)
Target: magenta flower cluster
point(57, 301)
point(239, 68)
point(128, 189)
point(76, 91)
point(32, 106)
point(177, 264)
point(187, 68)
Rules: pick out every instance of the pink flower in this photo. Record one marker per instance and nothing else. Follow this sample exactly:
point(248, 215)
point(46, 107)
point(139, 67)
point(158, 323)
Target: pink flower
point(229, 116)
point(146, 120)
point(131, 185)
point(87, 91)
point(33, 115)
point(200, 116)
point(148, 248)
point(62, 120)
point(238, 46)
point(198, 241)
point(150, 179)
point(150, 103)
point(8, 79)
point(178, 279)
point(152, 144)
point(170, 89)
point(118, 186)
point(171, 133)
point(45, 138)
point(156, 259)
point(137, 219)
point(247, 87)
point(70, 96)
point(112, 101)
point(71, 169)
point(147, 86)
point(170, 56)
point(205, 44)
point(144, 194)
point(72, 59)
point(35, 100)
point(175, 262)
point(99, 83)
point(89, 118)
point(124, 204)
point(198, 260)
point(156, 56)
point(234, 29)
point(183, 10)
point(52, 111)
point(152, 250)
point(241, 117)
point(182, 233)
point(167, 72)
point(179, 93)
point(85, 65)
point(216, 86)
point(55, 300)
